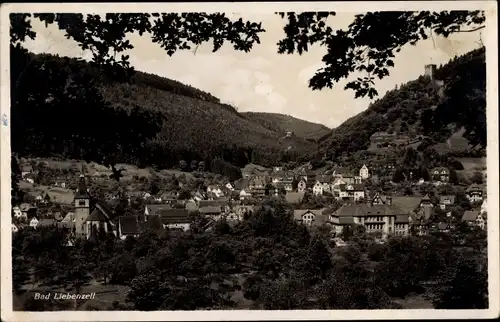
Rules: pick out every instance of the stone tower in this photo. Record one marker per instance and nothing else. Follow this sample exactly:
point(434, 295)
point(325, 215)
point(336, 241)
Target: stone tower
point(82, 207)
point(430, 71)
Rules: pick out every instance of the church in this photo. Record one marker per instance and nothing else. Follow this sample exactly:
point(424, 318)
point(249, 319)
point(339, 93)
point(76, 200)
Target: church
point(90, 217)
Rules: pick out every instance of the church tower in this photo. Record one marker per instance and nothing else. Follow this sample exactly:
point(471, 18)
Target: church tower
point(82, 207)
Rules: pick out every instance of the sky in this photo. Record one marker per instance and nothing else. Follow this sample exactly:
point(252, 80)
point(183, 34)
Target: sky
point(263, 80)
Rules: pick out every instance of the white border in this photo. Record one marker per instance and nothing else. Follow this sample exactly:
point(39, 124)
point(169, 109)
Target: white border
point(489, 39)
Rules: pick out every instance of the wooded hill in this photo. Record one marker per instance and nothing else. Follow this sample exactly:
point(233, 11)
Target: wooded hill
point(285, 123)
point(67, 107)
point(436, 111)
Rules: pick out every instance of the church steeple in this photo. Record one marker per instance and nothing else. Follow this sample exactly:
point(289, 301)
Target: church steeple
point(82, 191)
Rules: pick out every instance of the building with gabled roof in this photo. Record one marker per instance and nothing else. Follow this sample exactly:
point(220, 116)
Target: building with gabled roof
point(311, 217)
point(175, 219)
point(376, 218)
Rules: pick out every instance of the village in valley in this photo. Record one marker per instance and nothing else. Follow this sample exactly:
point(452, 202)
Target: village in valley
point(336, 198)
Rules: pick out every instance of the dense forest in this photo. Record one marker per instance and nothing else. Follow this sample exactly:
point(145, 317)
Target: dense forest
point(70, 108)
point(433, 109)
point(268, 258)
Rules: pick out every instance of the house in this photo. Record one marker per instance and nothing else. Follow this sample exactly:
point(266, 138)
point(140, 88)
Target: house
point(443, 227)
point(25, 170)
point(175, 219)
point(153, 209)
point(224, 205)
point(131, 226)
point(351, 192)
point(215, 191)
point(241, 184)
point(474, 218)
point(302, 185)
point(294, 198)
point(244, 194)
point(376, 218)
point(146, 195)
point(14, 229)
point(257, 183)
point(322, 185)
point(364, 173)
point(306, 184)
point(481, 220)
point(128, 226)
point(446, 201)
point(68, 221)
point(33, 222)
point(474, 193)
point(16, 212)
point(441, 174)
point(214, 212)
point(426, 202)
point(310, 217)
point(379, 199)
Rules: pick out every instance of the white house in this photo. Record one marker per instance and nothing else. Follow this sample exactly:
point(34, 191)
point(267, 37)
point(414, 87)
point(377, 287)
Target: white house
point(34, 222)
point(363, 172)
point(229, 186)
point(16, 211)
point(318, 189)
point(244, 194)
point(146, 195)
point(215, 190)
point(352, 192)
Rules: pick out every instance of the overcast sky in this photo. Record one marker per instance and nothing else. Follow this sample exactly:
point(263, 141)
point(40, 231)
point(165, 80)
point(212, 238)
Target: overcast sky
point(264, 80)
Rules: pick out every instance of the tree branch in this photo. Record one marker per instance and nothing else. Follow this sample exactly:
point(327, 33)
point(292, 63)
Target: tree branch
point(472, 30)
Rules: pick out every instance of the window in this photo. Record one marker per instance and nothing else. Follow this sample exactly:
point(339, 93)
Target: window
point(81, 202)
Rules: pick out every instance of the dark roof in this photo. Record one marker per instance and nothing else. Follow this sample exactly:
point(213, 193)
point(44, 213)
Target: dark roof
point(210, 210)
point(323, 178)
point(426, 198)
point(470, 215)
point(98, 214)
point(442, 226)
point(212, 203)
point(407, 204)
point(425, 213)
point(128, 225)
point(153, 209)
point(174, 216)
point(47, 222)
point(362, 210)
point(82, 191)
point(241, 184)
point(346, 220)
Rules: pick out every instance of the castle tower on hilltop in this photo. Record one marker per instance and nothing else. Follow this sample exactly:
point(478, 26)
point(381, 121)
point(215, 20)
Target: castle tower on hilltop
point(82, 207)
point(430, 71)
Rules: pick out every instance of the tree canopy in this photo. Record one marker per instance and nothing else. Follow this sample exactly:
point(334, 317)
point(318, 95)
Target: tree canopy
point(368, 45)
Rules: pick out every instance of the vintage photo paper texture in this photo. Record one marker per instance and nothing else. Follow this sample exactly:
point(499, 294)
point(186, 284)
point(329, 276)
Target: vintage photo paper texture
point(249, 161)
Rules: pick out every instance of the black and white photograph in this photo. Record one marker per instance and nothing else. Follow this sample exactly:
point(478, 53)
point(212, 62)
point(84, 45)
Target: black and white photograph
point(245, 161)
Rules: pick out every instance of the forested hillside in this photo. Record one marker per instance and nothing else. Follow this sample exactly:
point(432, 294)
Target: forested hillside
point(284, 123)
point(69, 108)
point(422, 111)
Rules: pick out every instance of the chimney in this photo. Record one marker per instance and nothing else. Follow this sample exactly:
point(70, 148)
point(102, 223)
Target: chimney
point(430, 71)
